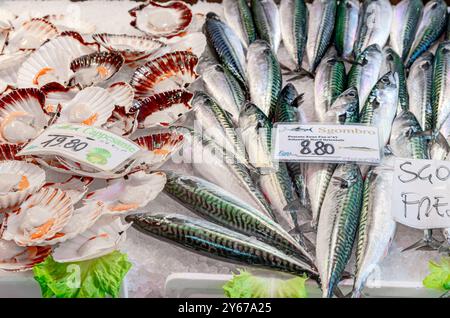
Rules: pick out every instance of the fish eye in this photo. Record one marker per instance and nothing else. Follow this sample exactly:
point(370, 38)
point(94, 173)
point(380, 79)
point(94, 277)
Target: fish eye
point(385, 80)
point(352, 94)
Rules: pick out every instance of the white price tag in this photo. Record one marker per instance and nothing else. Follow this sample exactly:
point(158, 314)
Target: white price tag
point(326, 143)
point(421, 193)
point(85, 144)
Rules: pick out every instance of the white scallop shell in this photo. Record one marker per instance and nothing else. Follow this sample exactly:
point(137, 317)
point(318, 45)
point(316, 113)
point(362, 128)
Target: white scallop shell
point(104, 237)
point(91, 106)
point(69, 23)
point(132, 47)
point(123, 94)
point(14, 258)
point(158, 148)
point(193, 42)
point(134, 191)
point(12, 60)
point(162, 19)
point(5, 29)
point(39, 218)
point(21, 115)
point(31, 35)
point(57, 94)
point(13, 173)
point(75, 187)
point(51, 62)
point(95, 68)
point(81, 220)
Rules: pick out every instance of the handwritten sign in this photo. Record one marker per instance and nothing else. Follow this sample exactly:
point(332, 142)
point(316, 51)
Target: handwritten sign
point(421, 193)
point(326, 143)
point(85, 144)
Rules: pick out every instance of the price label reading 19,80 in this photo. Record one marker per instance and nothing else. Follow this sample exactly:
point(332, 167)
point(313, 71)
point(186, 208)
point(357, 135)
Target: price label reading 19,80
point(326, 143)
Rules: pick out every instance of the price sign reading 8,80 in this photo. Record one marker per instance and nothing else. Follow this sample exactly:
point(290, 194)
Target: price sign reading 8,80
point(64, 141)
point(319, 148)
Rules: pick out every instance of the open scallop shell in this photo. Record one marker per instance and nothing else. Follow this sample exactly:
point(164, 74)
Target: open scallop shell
point(162, 19)
point(193, 42)
point(123, 94)
point(131, 193)
point(21, 115)
point(95, 68)
point(31, 35)
point(69, 23)
point(170, 71)
point(14, 258)
point(91, 106)
point(57, 94)
point(81, 220)
point(163, 109)
point(158, 148)
point(132, 47)
point(51, 62)
point(75, 187)
point(121, 122)
point(106, 236)
point(18, 180)
point(40, 217)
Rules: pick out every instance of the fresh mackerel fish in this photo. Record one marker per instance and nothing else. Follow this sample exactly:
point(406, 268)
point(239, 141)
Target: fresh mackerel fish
point(338, 224)
point(294, 28)
point(376, 227)
point(218, 125)
point(216, 166)
point(239, 17)
point(431, 26)
point(374, 24)
point(441, 86)
point(381, 106)
point(405, 21)
point(364, 74)
point(420, 88)
point(267, 22)
point(219, 206)
point(226, 45)
point(264, 76)
point(214, 241)
point(346, 29)
point(395, 65)
point(322, 15)
point(329, 83)
point(225, 89)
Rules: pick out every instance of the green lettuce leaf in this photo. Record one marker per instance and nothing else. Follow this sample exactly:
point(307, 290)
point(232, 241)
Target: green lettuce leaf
point(246, 285)
point(95, 278)
point(439, 277)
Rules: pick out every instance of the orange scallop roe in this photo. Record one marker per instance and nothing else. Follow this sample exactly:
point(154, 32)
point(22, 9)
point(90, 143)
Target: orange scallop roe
point(102, 71)
point(91, 120)
point(42, 230)
point(23, 183)
point(123, 207)
point(161, 152)
point(41, 73)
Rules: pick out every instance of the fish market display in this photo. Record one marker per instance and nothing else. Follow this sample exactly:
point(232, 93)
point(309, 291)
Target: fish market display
point(179, 104)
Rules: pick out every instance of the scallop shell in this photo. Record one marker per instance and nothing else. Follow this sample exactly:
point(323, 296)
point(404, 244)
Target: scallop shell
point(12, 60)
point(31, 35)
point(9, 152)
point(163, 109)
point(95, 68)
point(69, 23)
point(131, 193)
point(51, 62)
point(40, 217)
point(170, 71)
point(91, 106)
point(158, 148)
point(121, 122)
point(21, 115)
point(193, 42)
point(132, 47)
point(18, 180)
point(57, 94)
point(106, 236)
point(123, 94)
point(14, 258)
point(81, 220)
point(75, 187)
point(162, 19)
point(5, 29)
